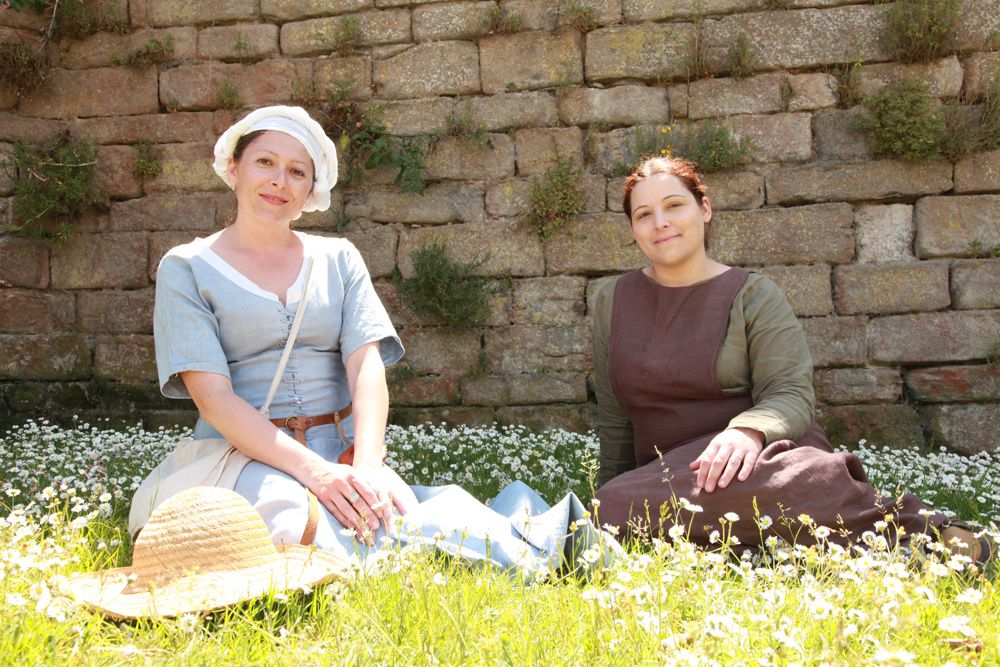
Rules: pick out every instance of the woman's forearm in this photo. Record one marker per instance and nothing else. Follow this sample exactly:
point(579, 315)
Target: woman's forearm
point(248, 430)
point(370, 396)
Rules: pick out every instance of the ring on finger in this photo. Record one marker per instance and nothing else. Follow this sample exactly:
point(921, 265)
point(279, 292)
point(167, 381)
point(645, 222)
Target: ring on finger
point(354, 497)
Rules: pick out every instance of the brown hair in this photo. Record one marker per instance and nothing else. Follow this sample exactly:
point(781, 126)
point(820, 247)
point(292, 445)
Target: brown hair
point(244, 141)
point(675, 166)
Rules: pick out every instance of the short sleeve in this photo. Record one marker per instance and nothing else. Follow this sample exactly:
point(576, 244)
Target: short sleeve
point(365, 319)
point(185, 330)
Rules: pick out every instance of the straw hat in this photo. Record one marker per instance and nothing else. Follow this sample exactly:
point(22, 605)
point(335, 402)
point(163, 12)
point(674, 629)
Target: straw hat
point(202, 549)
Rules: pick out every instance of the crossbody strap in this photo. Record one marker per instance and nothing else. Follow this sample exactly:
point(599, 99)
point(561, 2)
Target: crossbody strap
point(296, 324)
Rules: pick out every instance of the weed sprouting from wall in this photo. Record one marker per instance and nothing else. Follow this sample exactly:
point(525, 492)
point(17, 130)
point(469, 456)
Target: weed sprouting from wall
point(742, 60)
point(501, 21)
point(918, 30)
point(578, 14)
point(709, 145)
point(147, 165)
point(447, 290)
point(226, 96)
point(848, 76)
point(556, 198)
point(903, 121)
point(152, 52)
point(22, 67)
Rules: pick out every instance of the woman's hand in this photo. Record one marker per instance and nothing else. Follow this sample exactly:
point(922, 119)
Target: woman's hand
point(733, 451)
point(350, 497)
point(392, 492)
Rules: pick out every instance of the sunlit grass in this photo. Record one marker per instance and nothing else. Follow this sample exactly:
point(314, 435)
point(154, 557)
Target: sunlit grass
point(665, 603)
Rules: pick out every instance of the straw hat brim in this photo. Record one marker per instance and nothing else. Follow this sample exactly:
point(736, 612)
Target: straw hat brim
point(295, 566)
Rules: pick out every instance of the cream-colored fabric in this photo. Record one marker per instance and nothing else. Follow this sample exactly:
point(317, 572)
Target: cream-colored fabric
point(764, 353)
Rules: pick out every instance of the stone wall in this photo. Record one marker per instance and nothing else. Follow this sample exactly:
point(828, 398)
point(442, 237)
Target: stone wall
point(874, 255)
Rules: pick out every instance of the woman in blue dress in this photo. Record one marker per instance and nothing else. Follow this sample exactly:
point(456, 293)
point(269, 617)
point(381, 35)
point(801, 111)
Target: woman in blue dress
point(224, 311)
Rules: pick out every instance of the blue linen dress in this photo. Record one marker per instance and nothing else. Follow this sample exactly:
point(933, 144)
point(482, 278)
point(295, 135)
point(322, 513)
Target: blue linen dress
point(209, 317)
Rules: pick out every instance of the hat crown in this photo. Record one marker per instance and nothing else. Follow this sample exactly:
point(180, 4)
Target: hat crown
point(203, 529)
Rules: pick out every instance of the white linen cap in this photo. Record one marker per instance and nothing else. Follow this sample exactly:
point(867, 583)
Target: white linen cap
point(295, 122)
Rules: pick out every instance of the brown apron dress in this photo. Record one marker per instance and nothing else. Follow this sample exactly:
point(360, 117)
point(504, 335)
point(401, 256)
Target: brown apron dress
point(663, 346)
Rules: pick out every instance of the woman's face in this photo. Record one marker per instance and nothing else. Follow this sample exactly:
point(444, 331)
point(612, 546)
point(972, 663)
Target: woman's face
point(273, 177)
point(667, 221)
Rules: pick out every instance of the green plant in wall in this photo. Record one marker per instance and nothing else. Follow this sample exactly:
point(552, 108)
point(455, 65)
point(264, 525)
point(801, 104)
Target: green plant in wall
point(22, 67)
point(903, 121)
point(556, 198)
point(153, 51)
point(447, 290)
point(462, 124)
point(989, 125)
point(347, 36)
point(711, 146)
point(226, 96)
point(241, 46)
point(147, 165)
point(579, 14)
point(695, 60)
point(787, 93)
point(848, 77)
point(52, 185)
point(742, 60)
point(918, 30)
point(499, 21)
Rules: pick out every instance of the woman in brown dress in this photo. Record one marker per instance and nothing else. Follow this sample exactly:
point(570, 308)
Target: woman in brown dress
point(705, 397)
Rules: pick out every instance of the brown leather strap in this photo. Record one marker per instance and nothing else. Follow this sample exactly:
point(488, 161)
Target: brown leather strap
point(299, 425)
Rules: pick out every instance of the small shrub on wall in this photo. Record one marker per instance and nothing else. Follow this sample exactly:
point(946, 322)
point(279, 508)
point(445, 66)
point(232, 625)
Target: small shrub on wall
point(903, 121)
point(447, 290)
point(918, 30)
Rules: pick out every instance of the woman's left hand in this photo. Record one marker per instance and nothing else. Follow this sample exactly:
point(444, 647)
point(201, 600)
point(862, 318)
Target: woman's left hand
point(392, 492)
point(730, 454)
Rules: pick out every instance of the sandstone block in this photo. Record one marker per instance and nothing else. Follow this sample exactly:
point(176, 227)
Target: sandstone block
point(25, 262)
point(456, 159)
point(37, 398)
point(534, 14)
point(836, 135)
point(93, 92)
point(484, 390)
point(888, 425)
point(977, 27)
point(593, 244)
point(891, 288)
point(293, 10)
point(605, 12)
point(812, 91)
point(186, 167)
point(250, 41)
point(451, 416)
point(811, 37)
point(547, 388)
point(352, 72)
point(100, 260)
point(155, 128)
point(979, 172)
point(573, 418)
point(103, 48)
point(857, 181)
point(524, 61)
point(320, 36)
point(556, 301)
point(807, 288)
point(655, 10)
point(949, 226)
point(840, 386)
point(426, 390)
point(980, 68)
point(620, 105)
point(538, 148)
point(125, 358)
point(644, 51)
point(836, 341)
point(510, 248)
point(819, 233)
point(441, 352)
point(946, 384)
point(44, 357)
point(31, 130)
point(439, 68)
point(119, 311)
point(538, 349)
point(968, 429)
point(456, 20)
point(438, 205)
point(30, 311)
point(934, 337)
point(616, 191)
point(885, 232)
point(116, 172)
point(195, 87)
point(211, 11)
point(726, 190)
point(412, 117)
point(163, 213)
point(160, 243)
point(678, 98)
point(128, 398)
point(725, 97)
point(781, 137)
point(943, 77)
point(377, 246)
point(6, 173)
point(28, 20)
point(611, 152)
point(976, 284)
point(514, 110)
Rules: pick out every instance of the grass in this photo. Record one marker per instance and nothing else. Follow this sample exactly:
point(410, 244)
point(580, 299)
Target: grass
point(664, 603)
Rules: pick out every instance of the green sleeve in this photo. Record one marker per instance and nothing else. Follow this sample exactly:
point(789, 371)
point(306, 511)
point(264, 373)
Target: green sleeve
point(614, 430)
point(766, 351)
